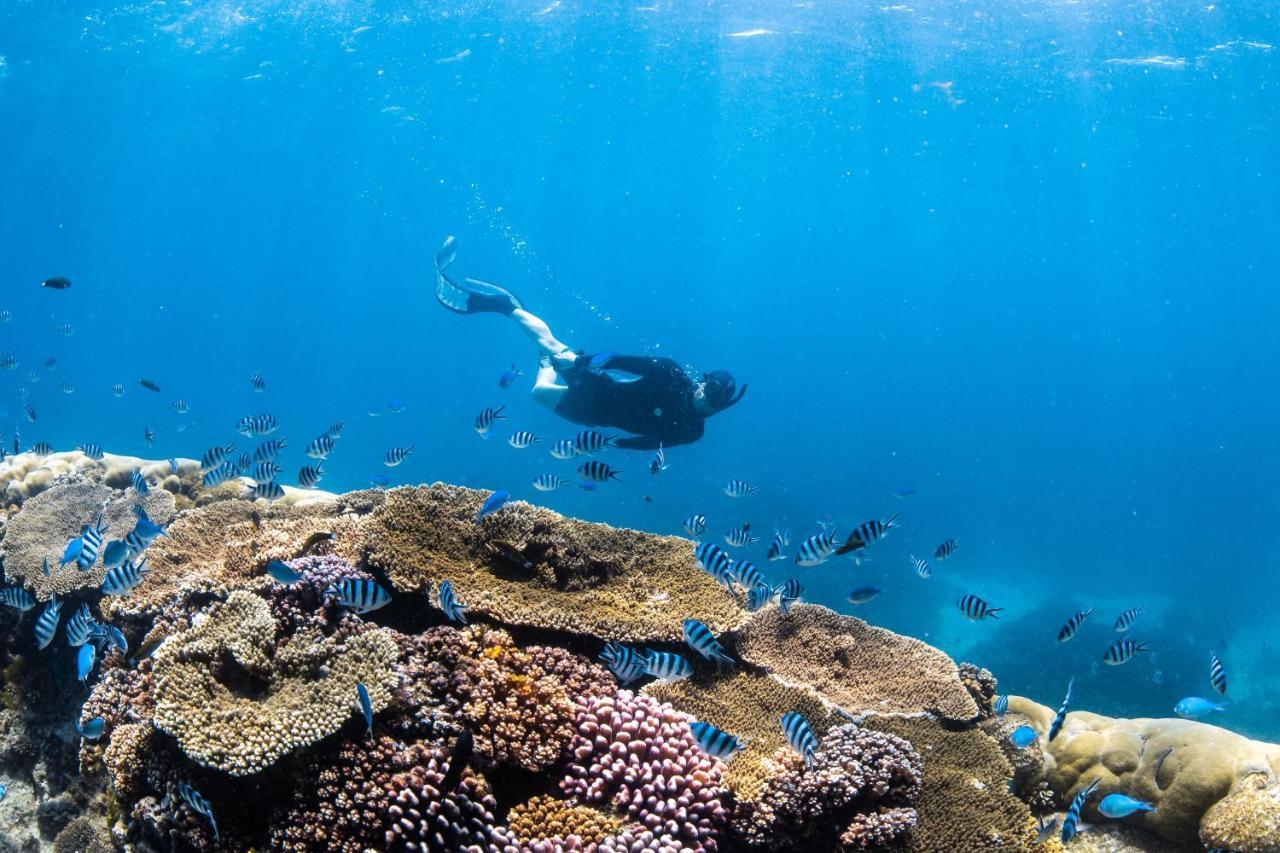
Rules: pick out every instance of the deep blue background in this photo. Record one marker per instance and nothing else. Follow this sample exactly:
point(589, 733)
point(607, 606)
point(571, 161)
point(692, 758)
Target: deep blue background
point(1044, 297)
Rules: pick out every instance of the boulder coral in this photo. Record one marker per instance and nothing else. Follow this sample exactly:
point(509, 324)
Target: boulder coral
point(1208, 784)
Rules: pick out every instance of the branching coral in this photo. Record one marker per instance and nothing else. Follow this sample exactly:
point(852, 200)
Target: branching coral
point(855, 774)
point(860, 668)
point(637, 755)
point(237, 703)
point(425, 817)
point(545, 824)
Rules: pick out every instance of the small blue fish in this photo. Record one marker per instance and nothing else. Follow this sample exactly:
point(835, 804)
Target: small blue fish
point(378, 481)
point(359, 594)
point(18, 597)
point(1193, 707)
point(173, 465)
point(495, 502)
point(1117, 806)
point(91, 540)
point(1001, 706)
point(366, 706)
point(139, 482)
point(116, 552)
point(267, 470)
point(623, 661)
point(281, 573)
point(1023, 736)
point(759, 595)
point(863, 594)
point(123, 578)
point(395, 405)
point(199, 804)
point(449, 603)
point(799, 735)
point(81, 626)
point(715, 742)
point(699, 638)
point(904, 492)
point(47, 622)
point(91, 730)
point(85, 659)
point(659, 462)
point(509, 376)
point(114, 638)
point(667, 666)
point(72, 552)
point(4, 791)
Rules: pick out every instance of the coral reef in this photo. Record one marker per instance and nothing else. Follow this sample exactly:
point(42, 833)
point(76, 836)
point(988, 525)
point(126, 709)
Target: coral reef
point(545, 823)
point(858, 792)
point(749, 704)
point(860, 668)
point(1212, 785)
point(237, 702)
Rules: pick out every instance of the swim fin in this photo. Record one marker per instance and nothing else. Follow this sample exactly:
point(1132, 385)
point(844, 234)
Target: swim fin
point(472, 297)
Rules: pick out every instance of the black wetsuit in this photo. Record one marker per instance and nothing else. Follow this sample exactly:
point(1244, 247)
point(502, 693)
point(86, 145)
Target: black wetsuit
point(657, 406)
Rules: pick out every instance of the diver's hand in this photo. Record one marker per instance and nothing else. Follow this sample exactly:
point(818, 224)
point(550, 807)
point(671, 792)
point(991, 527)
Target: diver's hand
point(564, 360)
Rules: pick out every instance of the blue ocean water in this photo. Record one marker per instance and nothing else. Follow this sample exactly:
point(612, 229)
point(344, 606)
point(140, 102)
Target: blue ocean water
point(1019, 258)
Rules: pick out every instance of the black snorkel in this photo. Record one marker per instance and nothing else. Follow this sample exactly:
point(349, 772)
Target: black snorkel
point(719, 389)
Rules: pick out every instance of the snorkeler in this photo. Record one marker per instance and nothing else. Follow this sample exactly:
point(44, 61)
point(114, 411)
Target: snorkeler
point(656, 401)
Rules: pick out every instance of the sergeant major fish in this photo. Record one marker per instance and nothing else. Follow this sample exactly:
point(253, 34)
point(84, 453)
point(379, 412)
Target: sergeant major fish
point(739, 488)
point(817, 549)
point(548, 482)
point(522, 439)
point(740, 537)
point(1122, 651)
point(666, 666)
point(255, 426)
point(47, 622)
point(359, 594)
point(715, 562)
point(799, 735)
point(975, 609)
point(1061, 717)
point(1126, 619)
point(716, 742)
point(396, 455)
point(695, 525)
point(699, 638)
point(1070, 822)
point(922, 568)
point(1073, 625)
point(868, 533)
point(450, 605)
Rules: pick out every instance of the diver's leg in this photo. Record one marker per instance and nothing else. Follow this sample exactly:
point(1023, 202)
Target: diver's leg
point(545, 388)
point(538, 329)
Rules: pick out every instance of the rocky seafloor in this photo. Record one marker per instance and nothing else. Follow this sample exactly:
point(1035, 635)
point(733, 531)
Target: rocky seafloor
point(244, 689)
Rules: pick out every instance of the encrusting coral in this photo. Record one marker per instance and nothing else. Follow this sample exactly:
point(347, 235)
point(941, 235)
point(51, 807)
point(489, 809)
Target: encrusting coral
point(858, 791)
point(750, 705)
point(860, 668)
point(237, 702)
point(1207, 783)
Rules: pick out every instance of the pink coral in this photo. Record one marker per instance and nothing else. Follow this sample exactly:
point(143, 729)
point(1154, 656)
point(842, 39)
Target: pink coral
point(637, 755)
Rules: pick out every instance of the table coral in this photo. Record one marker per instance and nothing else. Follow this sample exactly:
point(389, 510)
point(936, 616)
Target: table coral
point(855, 773)
point(236, 702)
point(861, 668)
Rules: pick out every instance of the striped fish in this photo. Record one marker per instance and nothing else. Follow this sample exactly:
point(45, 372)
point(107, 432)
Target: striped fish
point(173, 465)
point(759, 595)
point(788, 594)
point(1126, 619)
point(396, 455)
point(65, 329)
point(1073, 814)
point(310, 475)
point(739, 489)
point(122, 579)
point(776, 545)
point(215, 456)
point(590, 441)
point(667, 666)
point(67, 388)
point(1122, 651)
point(117, 390)
point(91, 541)
point(564, 449)
point(320, 447)
point(659, 462)
point(115, 553)
point(1001, 705)
point(257, 383)
point(449, 603)
point(8, 361)
point(269, 449)
point(199, 805)
point(548, 482)
point(699, 638)
point(18, 597)
point(739, 537)
point(113, 637)
point(715, 562)
point(1061, 717)
point(266, 470)
point(255, 426)
point(946, 549)
point(975, 609)
point(817, 549)
point(91, 450)
point(218, 475)
point(799, 735)
point(522, 438)
point(270, 490)
point(868, 533)
point(31, 412)
point(746, 574)
point(335, 429)
point(139, 482)
point(597, 471)
point(243, 464)
point(487, 418)
point(179, 406)
point(40, 448)
point(623, 661)
point(1073, 625)
point(1217, 675)
point(47, 622)
point(923, 569)
point(695, 525)
point(80, 626)
point(715, 742)
point(359, 594)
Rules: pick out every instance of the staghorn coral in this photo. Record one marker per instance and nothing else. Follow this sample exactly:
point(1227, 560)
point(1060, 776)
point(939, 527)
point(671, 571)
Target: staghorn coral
point(965, 803)
point(1199, 766)
point(588, 578)
point(235, 705)
point(750, 705)
point(636, 755)
point(544, 824)
point(55, 516)
point(860, 668)
point(855, 774)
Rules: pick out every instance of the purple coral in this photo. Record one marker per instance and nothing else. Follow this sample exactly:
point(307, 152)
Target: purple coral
point(861, 783)
point(637, 755)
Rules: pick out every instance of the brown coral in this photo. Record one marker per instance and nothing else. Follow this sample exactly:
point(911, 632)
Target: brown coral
point(236, 702)
point(547, 823)
point(750, 705)
point(860, 668)
point(587, 578)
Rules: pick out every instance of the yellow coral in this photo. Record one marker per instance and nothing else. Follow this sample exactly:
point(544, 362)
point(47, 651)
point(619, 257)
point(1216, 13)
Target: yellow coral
point(546, 818)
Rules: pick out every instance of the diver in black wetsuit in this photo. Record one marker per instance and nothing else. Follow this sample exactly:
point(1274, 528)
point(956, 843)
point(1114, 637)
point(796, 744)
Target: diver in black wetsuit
point(656, 401)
